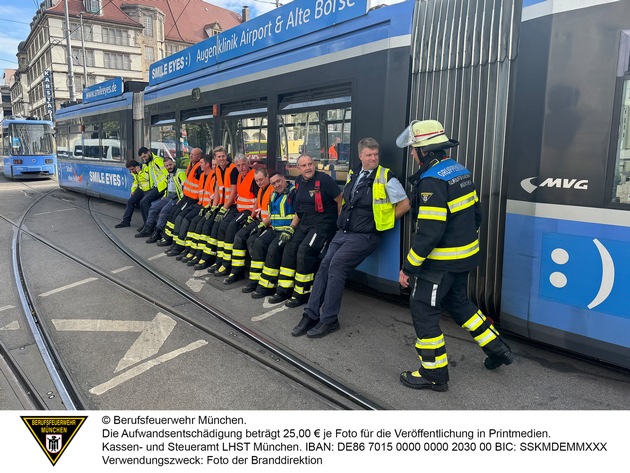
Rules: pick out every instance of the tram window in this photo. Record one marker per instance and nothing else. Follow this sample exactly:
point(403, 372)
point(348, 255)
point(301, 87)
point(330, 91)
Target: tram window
point(62, 141)
point(110, 141)
point(248, 136)
point(163, 135)
point(621, 184)
point(324, 135)
point(75, 142)
point(196, 132)
point(91, 146)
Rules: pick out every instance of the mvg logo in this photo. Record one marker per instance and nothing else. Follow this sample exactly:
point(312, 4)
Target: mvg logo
point(557, 182)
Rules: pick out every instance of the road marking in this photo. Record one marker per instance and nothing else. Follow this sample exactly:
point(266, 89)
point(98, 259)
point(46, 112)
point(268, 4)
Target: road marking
point(266, 315)
point(120, 270)
point(7, 307)
point(69, 286)
point(161, 255)
point(195, 284)
point(149, 342)
point(66, 210)
point(11, 326)
point(41, 213)
point(200, 273)
point(147, 365)
point(269, 305)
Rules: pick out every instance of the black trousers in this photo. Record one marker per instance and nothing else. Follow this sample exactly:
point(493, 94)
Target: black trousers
point(432, 292)
point(132, 203)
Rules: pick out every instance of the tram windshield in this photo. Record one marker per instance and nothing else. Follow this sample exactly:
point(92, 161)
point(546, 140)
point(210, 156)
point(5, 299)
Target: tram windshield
point(30, 139)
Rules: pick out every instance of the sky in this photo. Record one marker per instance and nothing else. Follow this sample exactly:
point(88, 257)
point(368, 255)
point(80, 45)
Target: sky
point(16, 16)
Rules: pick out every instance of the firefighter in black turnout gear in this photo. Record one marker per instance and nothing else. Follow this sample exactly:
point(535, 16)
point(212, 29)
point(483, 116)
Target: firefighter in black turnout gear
point(445, 249)
point(317, 204)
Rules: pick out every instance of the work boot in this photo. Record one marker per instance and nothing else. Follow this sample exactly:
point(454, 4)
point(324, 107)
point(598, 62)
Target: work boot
point(202, 264)
point(295, 302)
point(277, 298)
point(416, 381)
point(259, 293)
point(175, 250)
point(187, 257)
point(145, 232)
point(214, 267)
point(141, 228)
point(155, 236)
point(165, 241)
point(232, 278)
point(182, 254)
point(122, 225)
point(494, 361)
point(249, 287)
point(222, 271)
point(193, 261)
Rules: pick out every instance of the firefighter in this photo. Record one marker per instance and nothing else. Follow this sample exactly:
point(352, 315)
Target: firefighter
point(261, 212)
point(267, 244)
point(237, 217)
point(317, 205)
point(444, 250)
point(190, 197)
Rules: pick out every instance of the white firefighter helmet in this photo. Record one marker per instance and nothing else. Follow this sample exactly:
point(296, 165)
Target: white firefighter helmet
point(425, 134)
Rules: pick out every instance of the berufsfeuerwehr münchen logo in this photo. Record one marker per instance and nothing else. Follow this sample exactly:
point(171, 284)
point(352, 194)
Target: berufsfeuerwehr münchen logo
point(53, 434)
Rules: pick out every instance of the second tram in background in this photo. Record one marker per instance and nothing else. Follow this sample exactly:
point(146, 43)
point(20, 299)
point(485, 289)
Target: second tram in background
point(547, 141)
point(28, 148)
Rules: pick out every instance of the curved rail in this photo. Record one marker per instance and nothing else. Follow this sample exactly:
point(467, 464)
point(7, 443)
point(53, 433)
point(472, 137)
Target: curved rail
point(282, 354)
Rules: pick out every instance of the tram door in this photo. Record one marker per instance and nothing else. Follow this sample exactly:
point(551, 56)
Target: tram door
point(244, 129)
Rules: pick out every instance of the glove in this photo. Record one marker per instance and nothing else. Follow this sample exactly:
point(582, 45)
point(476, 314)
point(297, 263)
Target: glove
point(250, 219)
point(260, 229)
point(287, 234)
point(220, 215)
point(210, 212)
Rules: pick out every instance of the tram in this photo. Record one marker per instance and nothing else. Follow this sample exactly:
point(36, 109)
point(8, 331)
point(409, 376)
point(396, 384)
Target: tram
point(28, 148)
point(98, 136)
point(544, 136)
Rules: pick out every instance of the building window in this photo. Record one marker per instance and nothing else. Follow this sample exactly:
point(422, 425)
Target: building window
point(89, 56)
point(93, 6)
point(115, 36)
point(148, 26)
point(148, 53)
point(117, 61)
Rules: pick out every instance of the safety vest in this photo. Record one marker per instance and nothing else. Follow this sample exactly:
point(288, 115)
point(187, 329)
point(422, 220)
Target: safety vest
point(140, 180)
point(224, 188)
point(281, 209)
point(245, 198)
point(179, 178)
point(191, 186)
point(382, 207)
point(158, 174)
point(264, 195)
point(206, 194)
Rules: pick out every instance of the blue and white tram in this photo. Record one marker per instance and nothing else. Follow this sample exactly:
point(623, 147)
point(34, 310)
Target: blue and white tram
point(537, 92)
point(97, 137)
point(567, 226)
point(28, 148)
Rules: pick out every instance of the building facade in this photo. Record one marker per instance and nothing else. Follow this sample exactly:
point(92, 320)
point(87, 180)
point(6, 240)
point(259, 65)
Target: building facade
point(108, 38)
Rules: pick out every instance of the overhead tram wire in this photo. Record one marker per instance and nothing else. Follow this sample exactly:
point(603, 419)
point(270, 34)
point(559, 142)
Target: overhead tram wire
point(175, 20)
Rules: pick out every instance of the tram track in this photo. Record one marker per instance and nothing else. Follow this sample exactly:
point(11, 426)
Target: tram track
point(258, 348)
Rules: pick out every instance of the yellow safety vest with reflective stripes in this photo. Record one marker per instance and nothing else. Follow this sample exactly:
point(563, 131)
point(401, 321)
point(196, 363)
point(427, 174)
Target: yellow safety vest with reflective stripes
point(382, 207)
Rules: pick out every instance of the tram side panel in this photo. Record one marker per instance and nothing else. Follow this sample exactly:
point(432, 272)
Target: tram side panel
point(567, 238)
